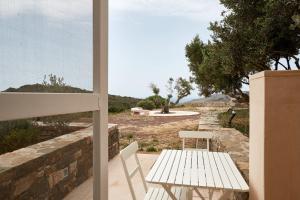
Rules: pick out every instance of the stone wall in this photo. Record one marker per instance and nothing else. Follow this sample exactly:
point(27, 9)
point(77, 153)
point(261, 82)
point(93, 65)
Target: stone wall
point(51, 169)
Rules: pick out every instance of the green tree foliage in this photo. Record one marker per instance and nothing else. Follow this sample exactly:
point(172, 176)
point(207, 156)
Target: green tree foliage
point(183, 88)
point(154, 89)
point(296, 19)
point(252, 36)
point(157, 100)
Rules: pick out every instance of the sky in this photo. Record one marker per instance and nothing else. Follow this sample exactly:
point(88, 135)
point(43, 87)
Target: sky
point(146, 41)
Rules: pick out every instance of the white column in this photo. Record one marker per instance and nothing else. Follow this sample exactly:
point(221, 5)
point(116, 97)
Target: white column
point(100, 83)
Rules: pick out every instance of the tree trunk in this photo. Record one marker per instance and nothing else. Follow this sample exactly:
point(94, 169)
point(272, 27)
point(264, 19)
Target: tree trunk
point(177, 101)
point(288, 62)
point(276, 64)
point(297, 63)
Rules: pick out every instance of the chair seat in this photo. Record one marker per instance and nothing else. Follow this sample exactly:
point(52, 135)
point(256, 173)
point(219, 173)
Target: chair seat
point(161, 194)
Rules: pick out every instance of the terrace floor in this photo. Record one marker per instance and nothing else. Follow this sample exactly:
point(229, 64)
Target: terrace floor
point(118, 187)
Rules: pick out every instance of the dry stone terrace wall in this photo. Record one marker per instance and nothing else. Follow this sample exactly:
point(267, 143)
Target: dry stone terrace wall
point(51, 169)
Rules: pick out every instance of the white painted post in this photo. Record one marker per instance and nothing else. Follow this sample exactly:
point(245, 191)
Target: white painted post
point(100, 84)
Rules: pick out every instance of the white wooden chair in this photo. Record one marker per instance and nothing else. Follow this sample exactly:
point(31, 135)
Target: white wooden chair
point(208, 135)
point(151, 193)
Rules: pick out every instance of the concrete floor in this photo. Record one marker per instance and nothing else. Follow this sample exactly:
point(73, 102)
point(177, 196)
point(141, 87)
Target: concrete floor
point(118, 187)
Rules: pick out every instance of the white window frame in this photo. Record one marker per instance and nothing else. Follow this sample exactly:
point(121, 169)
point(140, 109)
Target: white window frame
point(27, 105)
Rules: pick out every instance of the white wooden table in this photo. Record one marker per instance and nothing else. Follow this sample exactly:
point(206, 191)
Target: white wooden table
point(197, 169)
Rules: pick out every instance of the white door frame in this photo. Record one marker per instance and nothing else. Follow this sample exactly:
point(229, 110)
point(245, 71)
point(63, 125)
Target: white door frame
point(27, 105)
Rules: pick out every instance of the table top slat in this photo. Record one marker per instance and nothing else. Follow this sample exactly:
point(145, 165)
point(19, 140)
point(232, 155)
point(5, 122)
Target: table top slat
point(194, 170)
point(208, 173)
point(162, 167)
point(223, 174)
point(156, 165)
point(201, 170)
point(237, 173)
point(173, 173)
point(180, 171)
point(233, 181)
point(187, 169)
point(169, 166)
point(215, 172)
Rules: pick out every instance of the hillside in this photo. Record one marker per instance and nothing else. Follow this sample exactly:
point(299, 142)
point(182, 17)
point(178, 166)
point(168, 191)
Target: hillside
point(212, 98)
point(115, 103)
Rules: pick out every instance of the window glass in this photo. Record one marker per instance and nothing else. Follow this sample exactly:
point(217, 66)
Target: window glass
point(45, 42)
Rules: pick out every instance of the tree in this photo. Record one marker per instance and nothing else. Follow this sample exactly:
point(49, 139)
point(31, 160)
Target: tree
point(183, 88)
point(252, 36)
point(155, 89)
point(156, 98)
point(170, 90)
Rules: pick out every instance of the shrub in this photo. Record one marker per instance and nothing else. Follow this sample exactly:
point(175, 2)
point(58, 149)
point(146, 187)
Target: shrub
point(116, 108)
point(146, 104)
point(157, 100)
point(17, 134)
point(151, 149)
point(239, 122)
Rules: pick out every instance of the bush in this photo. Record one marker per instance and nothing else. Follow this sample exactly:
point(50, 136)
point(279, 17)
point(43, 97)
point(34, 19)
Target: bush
point(17, 134)
point(157, 100)
point(151, 149)
point(116, 108)
point(146, 104)
point(239, 122)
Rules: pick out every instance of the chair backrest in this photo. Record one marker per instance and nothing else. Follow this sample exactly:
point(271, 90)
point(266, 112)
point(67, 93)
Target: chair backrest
point(125, 154)
point(196, 135)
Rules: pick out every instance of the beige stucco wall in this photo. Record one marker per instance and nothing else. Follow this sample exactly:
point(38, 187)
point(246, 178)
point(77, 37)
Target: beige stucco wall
point(275, 135)
point(256, 143)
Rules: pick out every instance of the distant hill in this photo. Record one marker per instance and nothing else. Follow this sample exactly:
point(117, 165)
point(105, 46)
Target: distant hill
point(115, 103)
point(213, 100)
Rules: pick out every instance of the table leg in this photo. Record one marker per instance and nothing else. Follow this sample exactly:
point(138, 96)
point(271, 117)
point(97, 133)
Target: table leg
point(168, 190)
point(199, 193)
point(210, 194)
point(189, 194)
point(226, 195)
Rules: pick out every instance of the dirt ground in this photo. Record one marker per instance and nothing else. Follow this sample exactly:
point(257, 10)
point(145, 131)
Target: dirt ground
point(152, 133)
